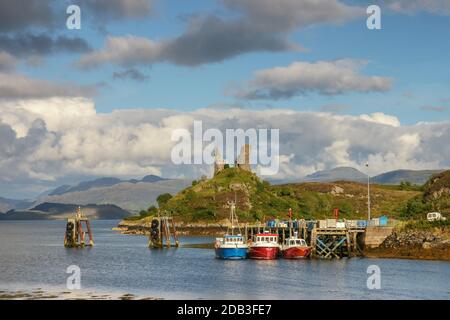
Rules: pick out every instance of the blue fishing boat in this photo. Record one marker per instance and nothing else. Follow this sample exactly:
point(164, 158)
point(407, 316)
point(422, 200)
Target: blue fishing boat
point(232, 246)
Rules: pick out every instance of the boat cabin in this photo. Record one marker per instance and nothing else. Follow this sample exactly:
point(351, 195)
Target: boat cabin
point(233, 239)
point(295, 242)
point(267, 237)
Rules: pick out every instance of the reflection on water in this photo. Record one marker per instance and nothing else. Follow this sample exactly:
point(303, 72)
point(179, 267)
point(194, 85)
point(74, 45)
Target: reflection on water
point(32, 255)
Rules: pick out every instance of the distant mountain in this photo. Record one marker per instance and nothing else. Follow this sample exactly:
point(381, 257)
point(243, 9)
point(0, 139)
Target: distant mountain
point(336, 174)
point(152, 178)
point(86, 185)
point(100, 182)
point(396, 177)
point(131, 196)
point(55, 211)
point(8, 204)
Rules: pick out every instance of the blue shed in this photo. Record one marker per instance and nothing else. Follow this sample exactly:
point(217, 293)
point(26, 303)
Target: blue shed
point(383, 221)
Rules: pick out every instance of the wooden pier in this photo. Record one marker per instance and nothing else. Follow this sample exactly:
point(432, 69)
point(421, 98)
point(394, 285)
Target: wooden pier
point(325, 242)
point(163, 233)
point(75, 235)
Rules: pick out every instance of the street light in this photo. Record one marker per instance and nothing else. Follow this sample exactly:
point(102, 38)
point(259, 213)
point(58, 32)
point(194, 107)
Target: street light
point(368, 193)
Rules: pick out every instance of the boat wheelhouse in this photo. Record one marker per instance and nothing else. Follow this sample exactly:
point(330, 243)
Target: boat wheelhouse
point(231, 247)
point(295, 248)
point(265, 246)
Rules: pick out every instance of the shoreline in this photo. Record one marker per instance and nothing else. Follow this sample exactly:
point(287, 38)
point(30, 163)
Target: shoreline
point(50, 294)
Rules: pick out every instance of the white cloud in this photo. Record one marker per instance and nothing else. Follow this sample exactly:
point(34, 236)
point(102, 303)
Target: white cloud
point(257, 25)
point(381, 118)
point(324, 77)
point(70, 139)
point(19, 86)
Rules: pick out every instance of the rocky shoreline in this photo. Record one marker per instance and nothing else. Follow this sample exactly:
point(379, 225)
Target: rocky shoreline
point(432, 244)
point(184, 229)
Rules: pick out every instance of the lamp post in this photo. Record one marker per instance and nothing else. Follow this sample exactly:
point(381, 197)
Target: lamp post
point(368, 193)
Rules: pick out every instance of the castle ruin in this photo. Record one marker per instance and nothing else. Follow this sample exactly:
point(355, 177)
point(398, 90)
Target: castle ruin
point(242, 161)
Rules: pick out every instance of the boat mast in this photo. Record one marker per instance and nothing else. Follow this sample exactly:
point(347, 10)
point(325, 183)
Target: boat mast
point(233, 217)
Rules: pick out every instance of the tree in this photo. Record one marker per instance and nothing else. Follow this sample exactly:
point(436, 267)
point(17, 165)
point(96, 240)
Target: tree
point(152, 210)
point(163, 199)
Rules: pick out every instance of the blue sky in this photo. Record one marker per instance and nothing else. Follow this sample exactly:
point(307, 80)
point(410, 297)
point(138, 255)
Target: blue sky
point(410, 48)
point(103, 100)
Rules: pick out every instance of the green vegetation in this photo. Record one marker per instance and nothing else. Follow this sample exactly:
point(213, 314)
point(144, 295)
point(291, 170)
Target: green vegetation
point(151, 211)
point(435, 197)
point(257, 200)
point(163, 198)
point(426, 225)
point(206, 200)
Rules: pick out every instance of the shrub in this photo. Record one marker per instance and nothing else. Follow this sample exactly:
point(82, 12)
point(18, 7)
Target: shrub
point(163, 199)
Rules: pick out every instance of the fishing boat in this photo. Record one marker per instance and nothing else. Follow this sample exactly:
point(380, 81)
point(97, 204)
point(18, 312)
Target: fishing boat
point(265, 246)
point(232, 246)
point(295, 248)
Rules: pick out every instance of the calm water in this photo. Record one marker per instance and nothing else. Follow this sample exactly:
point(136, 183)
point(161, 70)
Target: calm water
point(32, 256)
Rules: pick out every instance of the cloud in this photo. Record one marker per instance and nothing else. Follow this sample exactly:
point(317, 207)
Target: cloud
point(381, 118)
point(255, 26)
point(46, 140)
point(132, 74)
point(21, 14)
point(17, 86)
point(291, 14)
point(300, 78)
point(117, 8)
point(7, 62)
point(434, 108)
point(27, 44)
point(441, 7)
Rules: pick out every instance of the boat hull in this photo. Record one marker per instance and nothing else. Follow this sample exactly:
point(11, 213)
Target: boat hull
point(264, 253)
point(231, 253)
point(296, 253)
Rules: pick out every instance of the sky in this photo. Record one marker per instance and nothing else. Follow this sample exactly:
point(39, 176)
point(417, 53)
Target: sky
point(103, 100)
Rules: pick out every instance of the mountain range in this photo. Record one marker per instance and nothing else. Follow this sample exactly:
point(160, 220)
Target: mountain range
point(130, 195)
point(56, 211)
point(417, 177)
point(134, 195)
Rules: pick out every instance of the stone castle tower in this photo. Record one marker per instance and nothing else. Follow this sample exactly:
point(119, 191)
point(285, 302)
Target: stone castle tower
point(243, 160)
point(219, 164)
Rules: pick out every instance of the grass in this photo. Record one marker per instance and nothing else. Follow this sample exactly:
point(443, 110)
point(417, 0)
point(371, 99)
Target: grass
point(258, 200)
point(425, 224)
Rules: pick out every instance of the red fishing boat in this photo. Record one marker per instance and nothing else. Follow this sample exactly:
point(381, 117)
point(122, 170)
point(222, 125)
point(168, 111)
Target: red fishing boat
point(295, 248)
point(265, 247)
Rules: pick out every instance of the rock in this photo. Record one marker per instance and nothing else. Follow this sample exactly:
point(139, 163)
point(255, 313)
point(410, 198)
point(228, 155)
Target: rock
point(336, 190)
point(427, 245)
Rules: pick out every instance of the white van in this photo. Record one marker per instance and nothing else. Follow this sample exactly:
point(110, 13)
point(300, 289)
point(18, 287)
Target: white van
point(435, 216)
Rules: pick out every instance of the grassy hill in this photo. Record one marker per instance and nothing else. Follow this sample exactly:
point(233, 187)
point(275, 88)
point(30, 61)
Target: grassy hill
point(435, 197)
point(258, 200)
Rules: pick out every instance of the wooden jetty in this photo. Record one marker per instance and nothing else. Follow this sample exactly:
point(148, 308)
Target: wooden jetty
point(75, 234)
point(163, 233)
point(326, 242)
